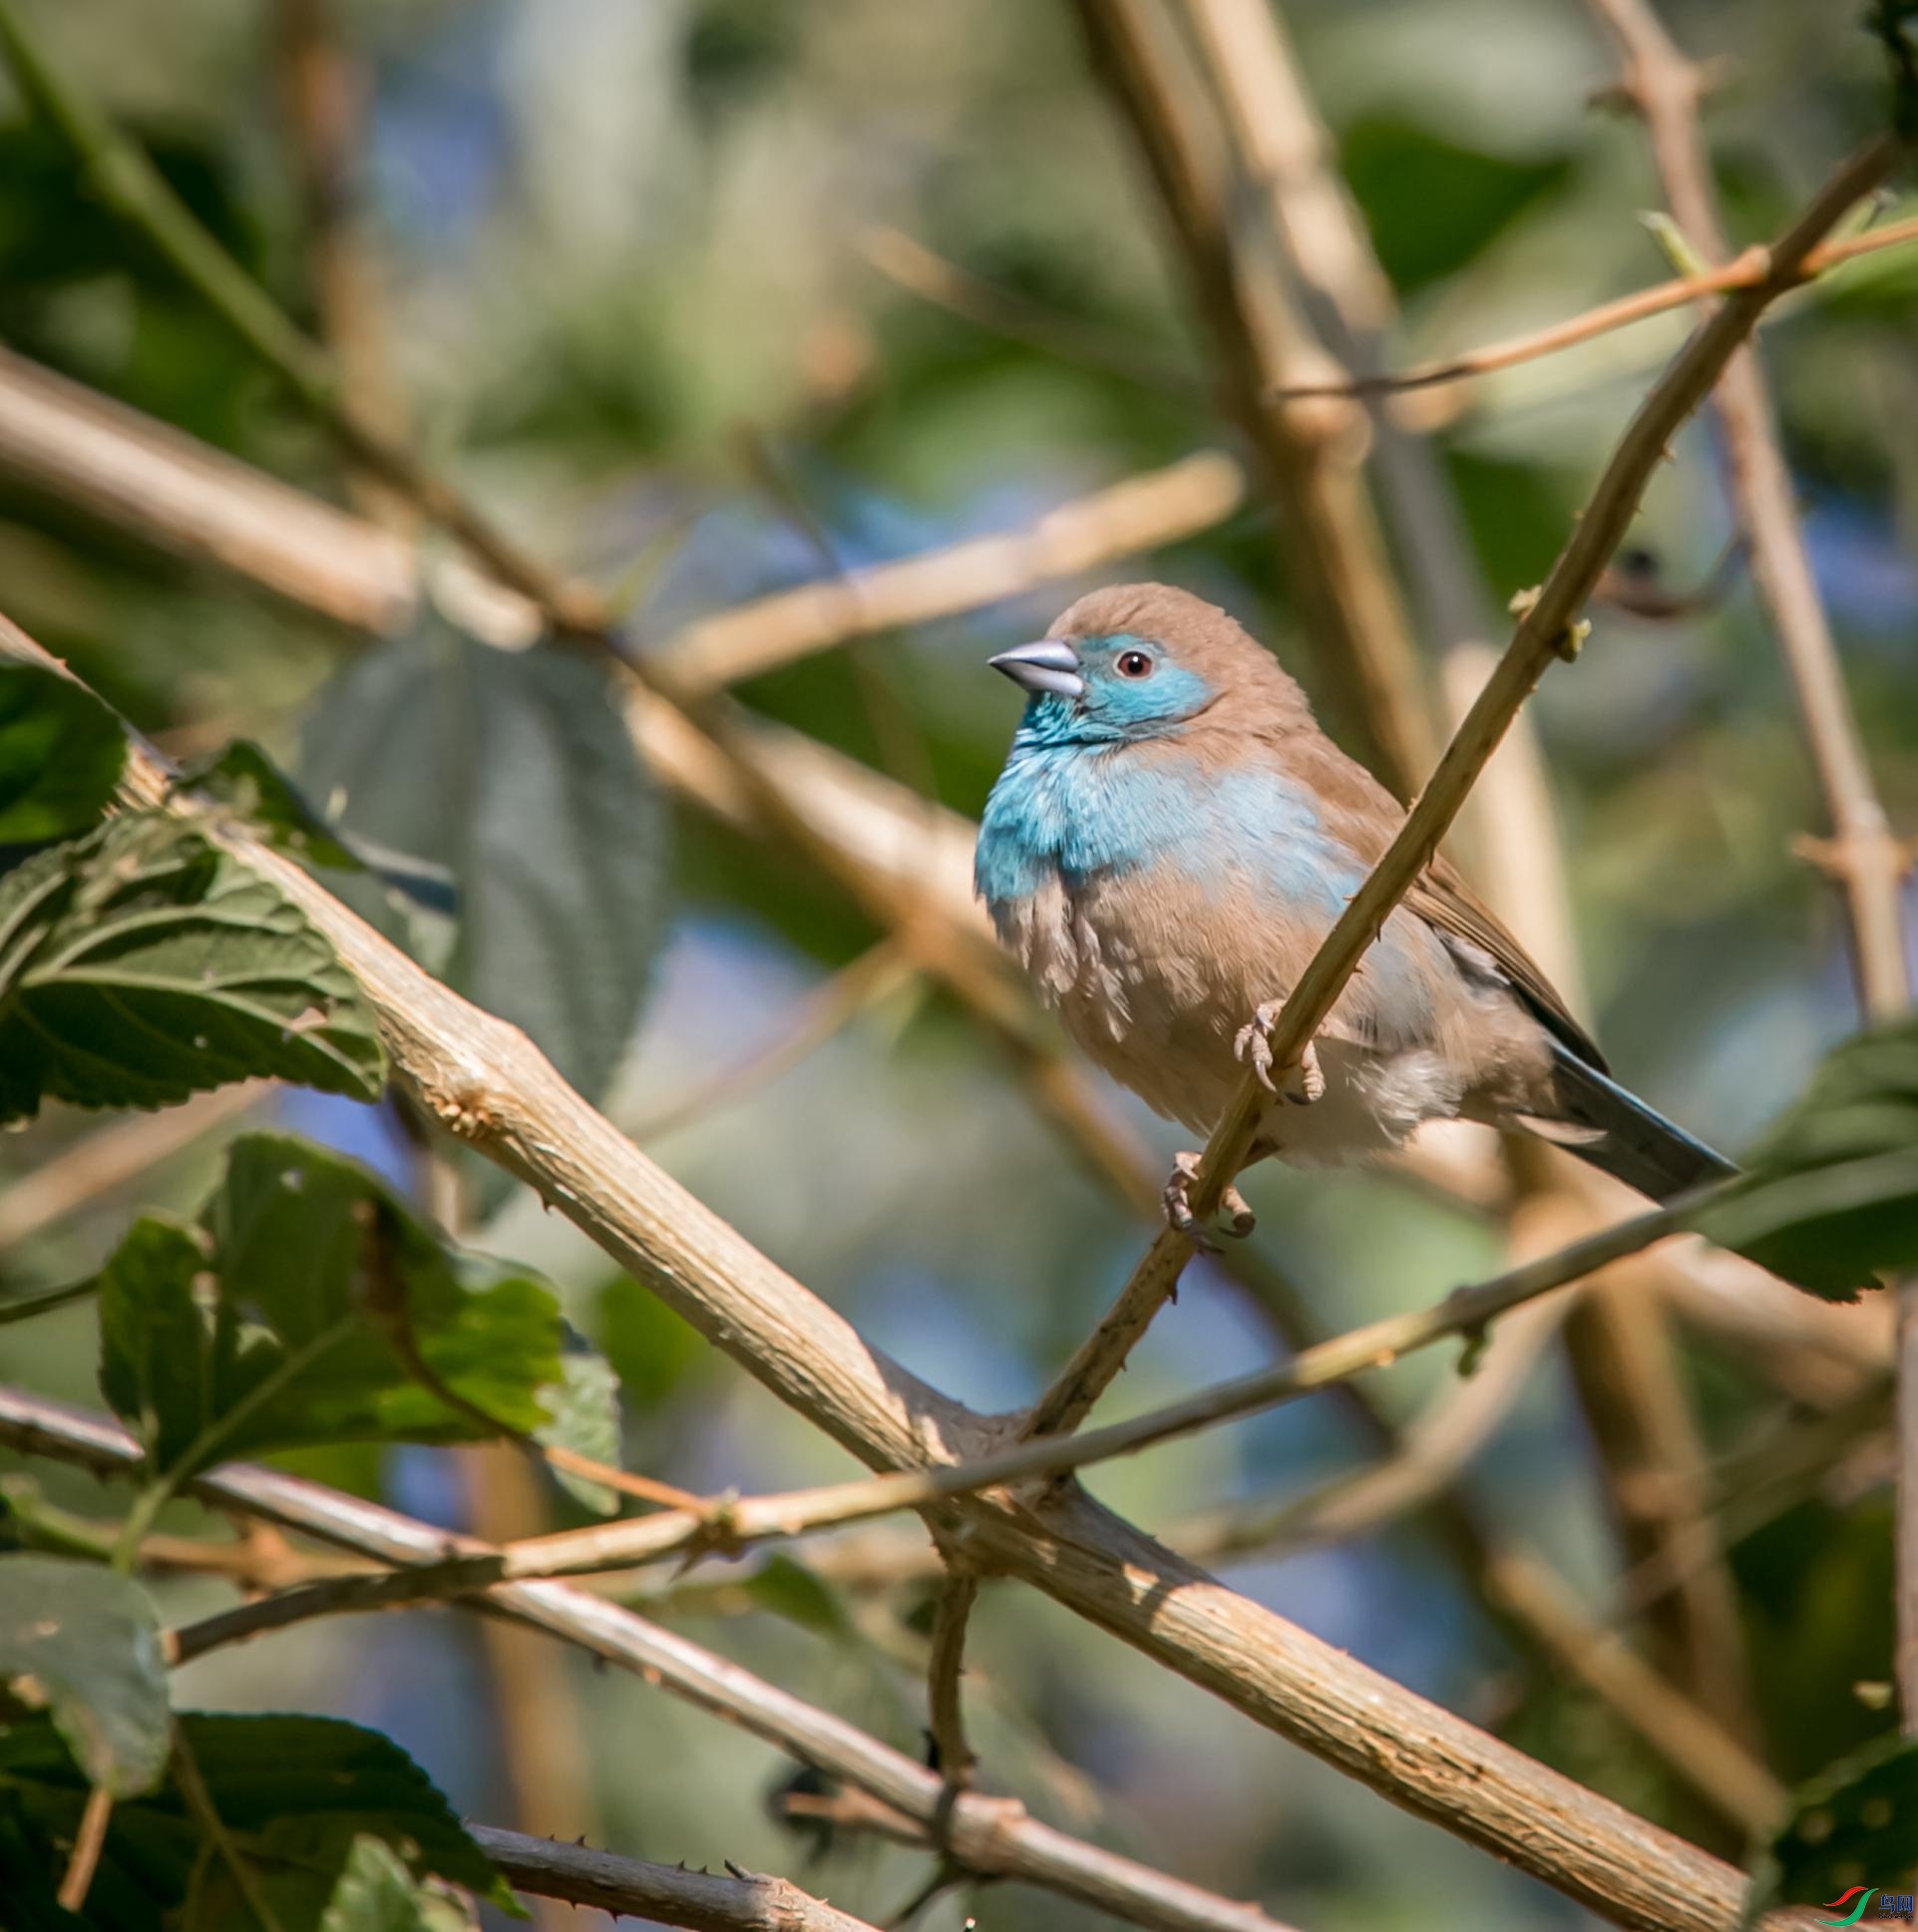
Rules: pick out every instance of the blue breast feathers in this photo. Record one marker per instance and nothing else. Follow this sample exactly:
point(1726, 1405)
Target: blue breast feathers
point(1076, 813)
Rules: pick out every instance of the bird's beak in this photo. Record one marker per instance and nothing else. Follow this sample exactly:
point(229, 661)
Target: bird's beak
point(1049, 665)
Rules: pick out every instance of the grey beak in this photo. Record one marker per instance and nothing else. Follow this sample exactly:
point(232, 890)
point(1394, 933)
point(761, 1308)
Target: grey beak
point(1049, 665)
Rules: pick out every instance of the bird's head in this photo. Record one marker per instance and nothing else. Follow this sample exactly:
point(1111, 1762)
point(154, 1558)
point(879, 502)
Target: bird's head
point(1135, 662)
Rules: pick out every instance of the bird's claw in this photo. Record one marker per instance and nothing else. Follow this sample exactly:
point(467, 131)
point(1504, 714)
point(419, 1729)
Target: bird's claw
point(1252, 1045)
point(1239, 1220)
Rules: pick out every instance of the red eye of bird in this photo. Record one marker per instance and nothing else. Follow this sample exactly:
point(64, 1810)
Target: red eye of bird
point(1134, 664)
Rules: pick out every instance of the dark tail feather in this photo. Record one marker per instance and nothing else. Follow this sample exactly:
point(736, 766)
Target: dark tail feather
point(1619, 1133)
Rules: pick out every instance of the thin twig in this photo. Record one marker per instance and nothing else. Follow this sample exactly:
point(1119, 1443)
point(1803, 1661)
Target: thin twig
point(732, 1901)
point(88, 1841)
point(945, 1668)
point(1744, 272)
point(736, 1524)
point(1546, 631)
point(1862, 856)
point(1650, 1880)
point(200, 1801)
point(1140, 513)
point(1001, 311)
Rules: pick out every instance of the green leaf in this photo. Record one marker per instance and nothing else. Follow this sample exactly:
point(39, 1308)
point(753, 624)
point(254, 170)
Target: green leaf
point(82, 1643)
point(1432, 203)
point(144, 964)
point(1830, 1197)
point(582, 1414)
point(29, 1875)
point(1854, 1824)
point(309, 1305)
point(800, 1595)
point(376, 1893)
point(61, 754)
point(296, 1794)
point(515, 770)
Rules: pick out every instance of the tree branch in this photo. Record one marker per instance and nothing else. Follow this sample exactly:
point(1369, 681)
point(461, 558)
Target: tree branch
point(1862, 856)
point(1637, 1874)
point(704, 1901)
point(738, 1524)
point(1743, 271)
point(991, 1836)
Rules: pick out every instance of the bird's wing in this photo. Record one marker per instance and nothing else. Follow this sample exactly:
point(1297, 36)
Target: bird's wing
point(1443, 900)
point(1363, 815)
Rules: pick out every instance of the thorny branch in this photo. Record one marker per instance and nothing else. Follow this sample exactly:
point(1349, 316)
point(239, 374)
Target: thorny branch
point(1507, 827)
point(1862, 857)
point(703, 1901)
point(1743, 271)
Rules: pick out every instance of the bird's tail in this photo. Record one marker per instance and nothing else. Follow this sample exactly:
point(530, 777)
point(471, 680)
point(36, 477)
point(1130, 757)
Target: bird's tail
point(1601, 1123)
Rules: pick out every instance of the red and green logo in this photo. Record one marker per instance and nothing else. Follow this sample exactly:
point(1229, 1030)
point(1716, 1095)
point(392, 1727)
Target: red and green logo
point(1891, 1905)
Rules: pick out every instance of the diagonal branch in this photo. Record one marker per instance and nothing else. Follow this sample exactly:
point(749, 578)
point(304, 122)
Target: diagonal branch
point(1743, 271)
point(1862, 856)
point(487, 1083)
point(1647, 1877)
point(735, 1525)
point(702, 1901)
point(1641, 1423)
point(1547, 631)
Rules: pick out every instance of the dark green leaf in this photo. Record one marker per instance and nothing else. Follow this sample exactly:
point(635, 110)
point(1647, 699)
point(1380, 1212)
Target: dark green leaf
point(61, 752)
point(1831, 1195)
point(1432, 203)
point(295, 1794)
point(652, 1350)
point(800, 1595)
point(583, 1410)
point(82, 1643)
point(515, 770)
point(1854, 1824)
point(309, 1305)
point(144, 964)
point(377, 1893)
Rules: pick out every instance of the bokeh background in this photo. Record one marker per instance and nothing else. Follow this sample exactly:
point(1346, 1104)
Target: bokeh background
point(621, 267)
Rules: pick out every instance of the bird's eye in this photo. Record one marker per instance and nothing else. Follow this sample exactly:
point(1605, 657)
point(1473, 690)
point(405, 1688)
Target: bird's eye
point(1134, 664)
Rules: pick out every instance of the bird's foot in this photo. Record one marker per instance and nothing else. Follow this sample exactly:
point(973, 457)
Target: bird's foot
point(1251, 1047)
point(1238, 1218)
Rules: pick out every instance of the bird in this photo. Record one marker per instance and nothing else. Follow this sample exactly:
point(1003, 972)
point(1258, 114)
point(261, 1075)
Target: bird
point(1170, 840)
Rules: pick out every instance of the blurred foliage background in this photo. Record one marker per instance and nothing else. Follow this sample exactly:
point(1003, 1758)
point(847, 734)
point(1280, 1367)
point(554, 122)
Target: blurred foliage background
point(615, 272)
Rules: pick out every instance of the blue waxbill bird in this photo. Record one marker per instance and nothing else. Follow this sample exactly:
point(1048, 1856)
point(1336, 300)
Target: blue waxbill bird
point(1171, 839)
